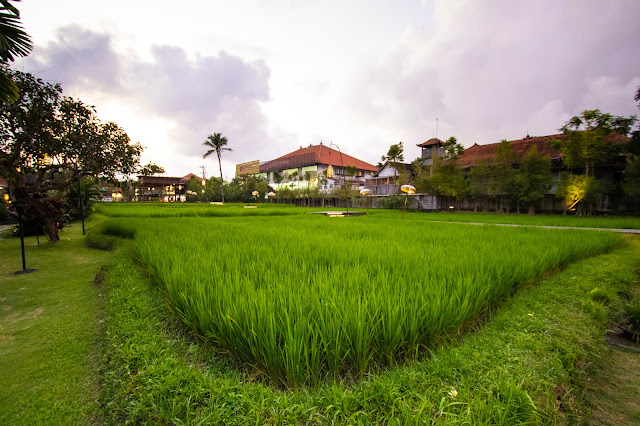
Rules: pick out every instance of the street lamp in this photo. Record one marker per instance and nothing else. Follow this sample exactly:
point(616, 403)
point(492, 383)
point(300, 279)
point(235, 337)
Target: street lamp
point(407, 189)
point(344, 181)
point(271, 195)
point(255, 195)
point(364, 192)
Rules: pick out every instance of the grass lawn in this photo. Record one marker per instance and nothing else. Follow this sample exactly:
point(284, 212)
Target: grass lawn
point(49, 328)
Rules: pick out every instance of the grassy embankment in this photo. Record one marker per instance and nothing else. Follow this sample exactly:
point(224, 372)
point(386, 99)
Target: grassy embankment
point(49, 328)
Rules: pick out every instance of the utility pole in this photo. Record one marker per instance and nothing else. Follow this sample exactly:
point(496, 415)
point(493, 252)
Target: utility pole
point(204, 177)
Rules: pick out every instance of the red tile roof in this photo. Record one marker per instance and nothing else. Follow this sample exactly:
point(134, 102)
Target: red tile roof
point(432, 141)
point(322, 154)
point(520, 147)
point(189, 176)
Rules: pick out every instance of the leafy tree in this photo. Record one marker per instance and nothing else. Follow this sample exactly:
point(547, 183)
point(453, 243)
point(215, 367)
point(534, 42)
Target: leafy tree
point(534, 178)
point(14, 41)
point(583, 190)
point(452, 149)
point(480, 183)
point(48, 141)
point(585, 145)
point(217, 143)
point(151, 169)
point(394, 156)
point(631, 182)
point(505, 184)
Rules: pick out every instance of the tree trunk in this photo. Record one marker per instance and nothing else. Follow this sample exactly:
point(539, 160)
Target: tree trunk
point(37, 208)
point(221, 179)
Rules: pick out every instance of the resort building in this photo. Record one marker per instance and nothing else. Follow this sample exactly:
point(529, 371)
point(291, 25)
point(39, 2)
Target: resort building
point(316, 165)
point(163, 188)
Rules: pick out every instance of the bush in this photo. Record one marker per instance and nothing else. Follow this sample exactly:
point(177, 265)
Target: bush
point(98, 241)
point(118, 228)
point(392, 202)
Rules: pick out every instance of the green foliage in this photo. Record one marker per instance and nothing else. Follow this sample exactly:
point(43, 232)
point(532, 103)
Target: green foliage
point(534, 178)
point(632, 317)
point(151, 169)
point(452, 149)
point(88, 195)
point(585, 145)
point(327, 311)
point(392, 202)
point(631, 183)
point(118, 228)
point(47, 141)
point(100, 241)
point(14, 41)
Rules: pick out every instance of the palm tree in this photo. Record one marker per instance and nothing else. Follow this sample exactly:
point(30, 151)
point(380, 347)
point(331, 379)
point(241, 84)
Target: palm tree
point(14, 41)
point(217, 143)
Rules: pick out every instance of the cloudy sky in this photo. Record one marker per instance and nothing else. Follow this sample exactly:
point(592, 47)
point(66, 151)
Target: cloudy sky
point(274, 76)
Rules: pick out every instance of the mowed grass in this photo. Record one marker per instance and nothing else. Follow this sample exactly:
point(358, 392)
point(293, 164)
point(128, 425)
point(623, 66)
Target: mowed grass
point(48, 331)
point(301, 298)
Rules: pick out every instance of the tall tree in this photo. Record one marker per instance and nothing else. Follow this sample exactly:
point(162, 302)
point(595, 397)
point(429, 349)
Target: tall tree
point(151, 169)
point(534, 177)
point(14, 41)
point(48, 141)
point(504, 175)
point(480, 183)
point(217, 143)
point(585, 145)
point(631, 183)
point(452, 149)
point(395, 156)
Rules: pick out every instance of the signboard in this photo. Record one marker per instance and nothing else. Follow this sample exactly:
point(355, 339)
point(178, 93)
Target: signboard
point(249, 168)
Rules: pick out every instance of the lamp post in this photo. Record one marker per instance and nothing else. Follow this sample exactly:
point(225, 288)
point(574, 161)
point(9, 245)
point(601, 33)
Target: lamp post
point(365, 192)
point(255, 195)
point(271, 195)
point(344, 182)
point(407, 189)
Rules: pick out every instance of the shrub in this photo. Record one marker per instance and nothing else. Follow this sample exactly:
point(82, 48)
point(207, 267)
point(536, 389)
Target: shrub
point(98, 241)
point(392, 202)
point(118, 229)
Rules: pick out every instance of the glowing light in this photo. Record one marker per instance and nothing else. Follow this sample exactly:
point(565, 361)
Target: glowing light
point(451, 207)
point(255, 193)
point(409, 189)
point(271, 194)
point(365, 191)
point(330, 171)
point(6, 197)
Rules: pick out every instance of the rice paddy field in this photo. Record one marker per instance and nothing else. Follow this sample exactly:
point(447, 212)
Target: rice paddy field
point(299, 299)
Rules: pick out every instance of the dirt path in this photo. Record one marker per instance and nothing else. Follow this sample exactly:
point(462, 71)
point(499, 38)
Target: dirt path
point(624, 231)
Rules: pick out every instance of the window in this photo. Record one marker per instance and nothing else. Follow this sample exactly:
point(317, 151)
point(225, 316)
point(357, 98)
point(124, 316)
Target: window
point(359, 175)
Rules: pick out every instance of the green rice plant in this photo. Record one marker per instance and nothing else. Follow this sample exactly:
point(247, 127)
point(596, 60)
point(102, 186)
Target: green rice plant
point(118, 228)
point(299, 298)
